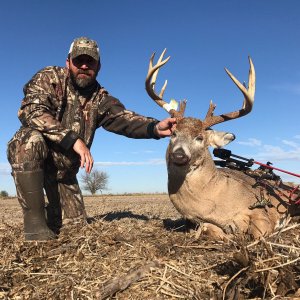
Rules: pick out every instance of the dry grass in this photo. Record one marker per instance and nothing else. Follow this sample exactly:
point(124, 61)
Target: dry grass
point(138, 247)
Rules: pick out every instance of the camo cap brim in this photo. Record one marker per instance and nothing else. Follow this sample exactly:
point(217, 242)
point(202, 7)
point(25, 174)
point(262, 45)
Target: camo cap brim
point(84, 45)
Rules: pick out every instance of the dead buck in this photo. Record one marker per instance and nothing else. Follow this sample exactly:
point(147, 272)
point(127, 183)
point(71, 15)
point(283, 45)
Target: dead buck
point(216, 198)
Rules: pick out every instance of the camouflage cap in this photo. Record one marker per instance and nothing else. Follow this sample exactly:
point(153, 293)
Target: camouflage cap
point(84, 45)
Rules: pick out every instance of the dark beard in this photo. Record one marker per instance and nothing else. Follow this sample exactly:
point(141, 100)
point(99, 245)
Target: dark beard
point(82, 83)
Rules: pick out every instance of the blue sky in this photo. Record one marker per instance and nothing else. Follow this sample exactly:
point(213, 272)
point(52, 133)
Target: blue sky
point(202, 37)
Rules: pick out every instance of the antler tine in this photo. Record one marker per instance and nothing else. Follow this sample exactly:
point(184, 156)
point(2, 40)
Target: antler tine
point(210, 119)
point(150, 87)
point(252, 77)
point(152, 76)
point(161, 94)
point(182, 108)
point(248, 93)
point(210, 111)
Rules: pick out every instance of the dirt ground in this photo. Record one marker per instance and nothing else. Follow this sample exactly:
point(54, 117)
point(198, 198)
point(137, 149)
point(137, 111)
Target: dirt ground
point(138, 247)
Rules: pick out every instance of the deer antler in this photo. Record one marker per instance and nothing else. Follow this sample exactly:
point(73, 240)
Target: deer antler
point(150, 87)
point(211, 120)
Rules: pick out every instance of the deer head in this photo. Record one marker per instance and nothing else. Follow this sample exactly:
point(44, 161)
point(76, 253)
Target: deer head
point(194, 135)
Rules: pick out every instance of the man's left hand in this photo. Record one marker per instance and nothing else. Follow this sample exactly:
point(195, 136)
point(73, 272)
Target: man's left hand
point(165, 127)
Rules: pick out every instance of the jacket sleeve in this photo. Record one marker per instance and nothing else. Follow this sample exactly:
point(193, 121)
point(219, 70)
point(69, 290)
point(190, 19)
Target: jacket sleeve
point(39, 108)
point(124, 122)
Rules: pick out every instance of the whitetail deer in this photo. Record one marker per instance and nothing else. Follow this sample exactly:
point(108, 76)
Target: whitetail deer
point(216, 198)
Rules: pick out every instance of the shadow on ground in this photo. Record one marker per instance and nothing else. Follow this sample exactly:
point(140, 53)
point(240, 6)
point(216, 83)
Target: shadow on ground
point(177, 225)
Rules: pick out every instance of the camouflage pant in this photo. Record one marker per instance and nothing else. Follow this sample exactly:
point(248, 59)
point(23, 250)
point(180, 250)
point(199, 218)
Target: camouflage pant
point(28, 151)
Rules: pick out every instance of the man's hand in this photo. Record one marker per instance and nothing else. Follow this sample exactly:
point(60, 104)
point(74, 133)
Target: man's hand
point(86, 159)
point(165, 127)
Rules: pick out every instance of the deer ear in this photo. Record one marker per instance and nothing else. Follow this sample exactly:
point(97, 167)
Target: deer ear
point(218, 139)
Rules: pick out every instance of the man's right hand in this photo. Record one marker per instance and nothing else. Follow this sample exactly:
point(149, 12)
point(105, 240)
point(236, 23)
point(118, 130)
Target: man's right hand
point(86, 159)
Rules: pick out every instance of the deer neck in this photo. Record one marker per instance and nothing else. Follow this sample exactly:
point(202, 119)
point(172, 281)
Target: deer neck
point(203, 169)
point(184, 186)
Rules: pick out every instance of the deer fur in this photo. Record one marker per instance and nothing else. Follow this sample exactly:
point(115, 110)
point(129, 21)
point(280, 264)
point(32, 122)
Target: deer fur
point(216, 198)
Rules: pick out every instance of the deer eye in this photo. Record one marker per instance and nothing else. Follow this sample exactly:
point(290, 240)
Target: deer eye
point(173, 134)
point(199, 138)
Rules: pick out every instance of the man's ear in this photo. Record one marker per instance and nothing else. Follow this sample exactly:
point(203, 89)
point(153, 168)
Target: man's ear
point(99, 66)
point(68, 63)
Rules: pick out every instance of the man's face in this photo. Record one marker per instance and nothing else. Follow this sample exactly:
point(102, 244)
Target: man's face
point(83, 70)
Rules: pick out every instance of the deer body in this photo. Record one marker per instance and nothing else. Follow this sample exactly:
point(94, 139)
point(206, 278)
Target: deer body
point(217, 198)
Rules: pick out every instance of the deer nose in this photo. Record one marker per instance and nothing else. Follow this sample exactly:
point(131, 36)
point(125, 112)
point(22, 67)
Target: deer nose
point(179, 157)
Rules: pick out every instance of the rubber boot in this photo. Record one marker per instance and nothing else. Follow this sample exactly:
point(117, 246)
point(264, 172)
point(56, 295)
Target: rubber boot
point(31, 197)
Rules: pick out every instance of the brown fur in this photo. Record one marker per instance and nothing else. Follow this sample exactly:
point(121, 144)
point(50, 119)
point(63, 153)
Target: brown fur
point(217, 198)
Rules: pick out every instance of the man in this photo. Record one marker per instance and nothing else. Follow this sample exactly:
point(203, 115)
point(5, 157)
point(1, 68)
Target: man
point(60, 113)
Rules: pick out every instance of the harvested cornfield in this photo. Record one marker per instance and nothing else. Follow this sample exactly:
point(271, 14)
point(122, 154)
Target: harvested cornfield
point(138, 247)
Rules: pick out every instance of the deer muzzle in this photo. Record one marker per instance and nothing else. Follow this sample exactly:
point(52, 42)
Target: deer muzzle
point(179, 157)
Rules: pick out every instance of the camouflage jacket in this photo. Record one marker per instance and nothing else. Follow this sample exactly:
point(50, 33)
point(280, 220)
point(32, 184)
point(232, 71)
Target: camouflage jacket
point(53, 107)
